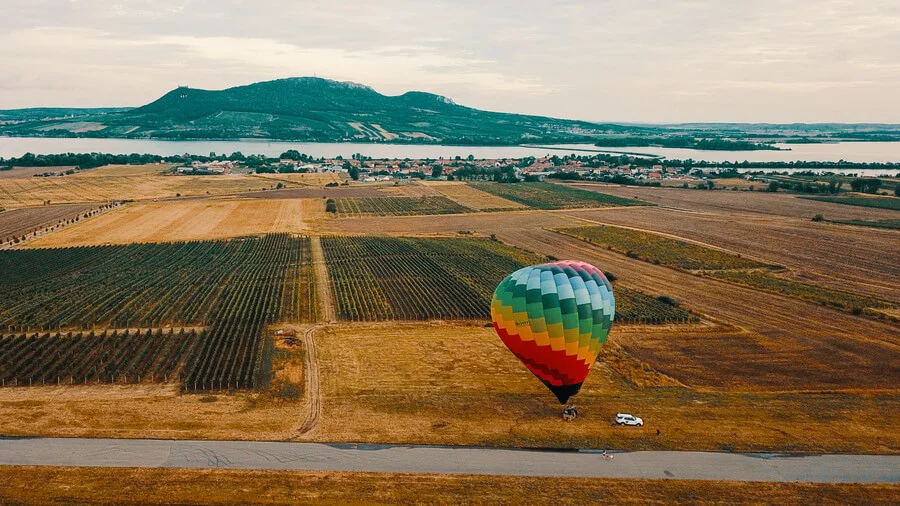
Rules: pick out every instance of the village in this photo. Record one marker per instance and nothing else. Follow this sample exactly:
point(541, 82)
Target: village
point(367, 170)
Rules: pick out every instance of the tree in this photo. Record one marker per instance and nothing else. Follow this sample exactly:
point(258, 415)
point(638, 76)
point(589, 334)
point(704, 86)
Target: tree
point(873, 185)
point(436, 170)
point(773, 186)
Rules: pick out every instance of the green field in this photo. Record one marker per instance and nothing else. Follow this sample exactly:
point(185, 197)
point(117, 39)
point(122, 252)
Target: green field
point(398, 206)
point(885, 224)
point(231, 288)
point(381, 278)
point(662, 250)
point(877, 202)
point(554, 196)
point(826, 296)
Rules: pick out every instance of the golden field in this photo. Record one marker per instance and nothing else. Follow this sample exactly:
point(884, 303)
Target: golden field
point(219, 486)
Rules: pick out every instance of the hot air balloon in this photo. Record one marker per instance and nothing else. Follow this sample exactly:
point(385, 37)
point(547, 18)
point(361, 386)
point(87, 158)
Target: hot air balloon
point(555, 317)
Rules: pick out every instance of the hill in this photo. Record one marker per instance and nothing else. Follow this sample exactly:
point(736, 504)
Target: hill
point(308, 109)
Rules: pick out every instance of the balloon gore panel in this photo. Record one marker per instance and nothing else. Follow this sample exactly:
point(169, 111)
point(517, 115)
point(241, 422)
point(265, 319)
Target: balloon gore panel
point(555, 317)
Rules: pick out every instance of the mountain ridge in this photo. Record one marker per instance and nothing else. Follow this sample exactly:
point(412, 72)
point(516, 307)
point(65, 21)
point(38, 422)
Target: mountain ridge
point(314, 109)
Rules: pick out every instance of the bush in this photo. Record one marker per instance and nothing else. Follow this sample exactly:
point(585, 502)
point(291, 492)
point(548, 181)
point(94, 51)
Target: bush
point(665, 299)
point(330, 206)
point(288, 392)
point(818, 217)
point(610, 276)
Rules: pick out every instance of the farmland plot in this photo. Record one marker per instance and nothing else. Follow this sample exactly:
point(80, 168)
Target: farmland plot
point(398, 206)
point(379, 278)
point(234, 287)
point(553, 196)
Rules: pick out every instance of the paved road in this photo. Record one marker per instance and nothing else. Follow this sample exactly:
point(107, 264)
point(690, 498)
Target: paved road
point(447, 460)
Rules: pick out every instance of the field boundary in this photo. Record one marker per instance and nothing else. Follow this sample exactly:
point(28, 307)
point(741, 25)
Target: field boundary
point(324, 295)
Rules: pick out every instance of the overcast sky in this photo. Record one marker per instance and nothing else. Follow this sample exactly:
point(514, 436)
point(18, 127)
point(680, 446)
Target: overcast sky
point(616, 60)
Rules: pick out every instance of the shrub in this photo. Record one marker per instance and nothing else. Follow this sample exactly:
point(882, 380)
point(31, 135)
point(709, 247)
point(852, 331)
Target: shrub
point(665, 299)
point(818, 217)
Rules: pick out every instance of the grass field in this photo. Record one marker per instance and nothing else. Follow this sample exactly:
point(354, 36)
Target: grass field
point(458, 384)
point(662, 250)
point(552, 196)
point(398, 206)
point(219, 486)
point(892, 203)
point(183, 220)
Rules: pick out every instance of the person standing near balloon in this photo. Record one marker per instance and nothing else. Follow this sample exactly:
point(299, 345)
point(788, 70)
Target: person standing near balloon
point(555, 317)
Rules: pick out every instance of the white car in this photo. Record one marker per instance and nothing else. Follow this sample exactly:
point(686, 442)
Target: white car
point(626, 419)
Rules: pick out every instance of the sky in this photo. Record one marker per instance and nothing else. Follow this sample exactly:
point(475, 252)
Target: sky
point(653, 61)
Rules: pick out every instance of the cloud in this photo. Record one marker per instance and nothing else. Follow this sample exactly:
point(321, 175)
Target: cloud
point(638, 60)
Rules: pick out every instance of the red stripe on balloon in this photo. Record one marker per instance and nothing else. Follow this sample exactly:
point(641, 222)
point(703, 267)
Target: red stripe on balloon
point(554, 367)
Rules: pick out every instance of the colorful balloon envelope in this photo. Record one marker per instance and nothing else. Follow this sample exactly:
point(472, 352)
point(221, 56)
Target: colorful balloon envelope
point(555, 317)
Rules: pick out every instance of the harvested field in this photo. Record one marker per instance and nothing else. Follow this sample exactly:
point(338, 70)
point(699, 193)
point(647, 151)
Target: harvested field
point(553, 196)
point(661, 250)
point(150, 169)
point(227, 486)
point(23, 172)
point(457, 384)
point(409, 190)
point(483, 223)
point(18, 222)
point(182, 220)
point(790, 344)
point(736, 203)
point(129, 182)
point(304, 179)
point(891, 203)
point(156, 411)
point(841, 258)
point(316, 193)
point(398, 206)
point(472, 198)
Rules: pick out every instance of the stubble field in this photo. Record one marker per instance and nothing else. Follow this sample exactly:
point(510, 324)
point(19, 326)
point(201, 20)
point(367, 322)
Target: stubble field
point(140, 182)
point(183, 220)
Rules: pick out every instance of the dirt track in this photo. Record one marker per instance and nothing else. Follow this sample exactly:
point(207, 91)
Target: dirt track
point(311, 378)
point(327, 311)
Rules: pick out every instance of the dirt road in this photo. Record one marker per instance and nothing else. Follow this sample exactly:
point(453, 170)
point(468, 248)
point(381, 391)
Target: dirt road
point(327, 311)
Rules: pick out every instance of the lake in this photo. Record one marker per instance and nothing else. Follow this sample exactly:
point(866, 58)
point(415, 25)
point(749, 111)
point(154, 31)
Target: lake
point(849, 151)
